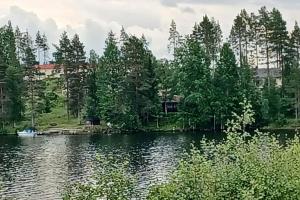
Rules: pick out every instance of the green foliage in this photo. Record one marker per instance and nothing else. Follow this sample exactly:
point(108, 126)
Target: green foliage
point(70, 55)
point(271, 105)
point(227, 85)
point(238, 168)
point(194, 81)
point(14, 85)
point(92, 100)
point(127, 83)
point(111, 182)
point(208, 33)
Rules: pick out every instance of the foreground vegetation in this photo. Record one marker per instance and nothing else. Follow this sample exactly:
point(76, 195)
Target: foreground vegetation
point(241, 167)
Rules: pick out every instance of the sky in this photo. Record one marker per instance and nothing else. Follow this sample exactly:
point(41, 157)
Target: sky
point(93, 19)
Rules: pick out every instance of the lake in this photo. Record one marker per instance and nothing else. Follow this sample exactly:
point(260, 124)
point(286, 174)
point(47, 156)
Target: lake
point(40, 168)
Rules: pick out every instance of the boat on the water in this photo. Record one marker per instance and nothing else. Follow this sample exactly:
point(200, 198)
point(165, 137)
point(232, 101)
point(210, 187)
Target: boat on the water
point(29, 132)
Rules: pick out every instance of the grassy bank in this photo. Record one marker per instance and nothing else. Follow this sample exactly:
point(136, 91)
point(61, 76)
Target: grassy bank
point(286, 124)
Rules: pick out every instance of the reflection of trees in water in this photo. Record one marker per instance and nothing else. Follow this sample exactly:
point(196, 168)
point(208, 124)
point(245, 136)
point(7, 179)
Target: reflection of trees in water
point(42, 166)
point(79, 158)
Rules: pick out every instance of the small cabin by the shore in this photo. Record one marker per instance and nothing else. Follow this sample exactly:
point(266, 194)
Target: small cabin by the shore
point(169, 106)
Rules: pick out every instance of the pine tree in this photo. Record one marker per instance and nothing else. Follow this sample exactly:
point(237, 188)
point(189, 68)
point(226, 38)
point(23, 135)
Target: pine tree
point(209, 33)
point(279, 40)
point(38, 45)
point(254, 41)
point(265, 31)
point(174, 39)
point(45, 48)
point(295, 42)
point(240, 36)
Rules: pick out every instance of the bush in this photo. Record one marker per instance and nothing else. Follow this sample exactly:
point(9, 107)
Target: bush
point(239, 168)
point(112, 181)
point(242, 167)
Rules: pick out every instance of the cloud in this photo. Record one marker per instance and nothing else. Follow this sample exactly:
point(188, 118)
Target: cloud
point(93, 19)
point(187, 10)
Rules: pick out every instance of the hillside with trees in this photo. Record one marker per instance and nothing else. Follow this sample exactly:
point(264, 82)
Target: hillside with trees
point(128, 87)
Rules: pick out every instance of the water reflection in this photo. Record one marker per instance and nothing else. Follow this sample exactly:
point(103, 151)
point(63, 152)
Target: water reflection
point(39, 168)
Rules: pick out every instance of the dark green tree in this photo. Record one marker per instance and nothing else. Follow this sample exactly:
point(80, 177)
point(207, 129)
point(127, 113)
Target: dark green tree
point(279, 40)
point(295, 42)
point(62, 57)
point(92, 100)
point(77, 77)
point(140, 80)
point(195, 82)
point(110, 84)
point(209, 33)
point(227, 85)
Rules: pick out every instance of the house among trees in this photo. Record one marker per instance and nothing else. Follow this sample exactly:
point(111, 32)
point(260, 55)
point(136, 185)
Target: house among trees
point(261, 76)
point(49, 70)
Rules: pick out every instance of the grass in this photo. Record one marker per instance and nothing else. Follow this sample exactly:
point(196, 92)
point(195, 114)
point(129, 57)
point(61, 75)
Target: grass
point(56, 119)
point(165, 123)
point(288, 124)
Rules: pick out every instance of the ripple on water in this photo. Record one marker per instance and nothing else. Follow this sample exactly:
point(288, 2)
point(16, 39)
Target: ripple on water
point(39, 168)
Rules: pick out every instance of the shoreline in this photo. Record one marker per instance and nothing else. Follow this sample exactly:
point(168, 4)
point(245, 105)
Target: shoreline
point(97, 130)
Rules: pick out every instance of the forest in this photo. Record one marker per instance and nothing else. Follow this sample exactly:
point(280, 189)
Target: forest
point(207, 76)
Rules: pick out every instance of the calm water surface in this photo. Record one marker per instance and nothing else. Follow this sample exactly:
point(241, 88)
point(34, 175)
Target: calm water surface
point(40, 168)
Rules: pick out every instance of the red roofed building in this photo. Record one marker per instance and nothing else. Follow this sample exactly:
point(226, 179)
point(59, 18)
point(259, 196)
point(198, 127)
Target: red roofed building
point(49, 70)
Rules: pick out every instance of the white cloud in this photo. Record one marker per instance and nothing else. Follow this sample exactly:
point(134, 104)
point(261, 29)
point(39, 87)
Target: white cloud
point(93, 19)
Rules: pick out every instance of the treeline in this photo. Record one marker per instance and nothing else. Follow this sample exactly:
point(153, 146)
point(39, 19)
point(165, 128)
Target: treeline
point(126, 85)
point(20, 87)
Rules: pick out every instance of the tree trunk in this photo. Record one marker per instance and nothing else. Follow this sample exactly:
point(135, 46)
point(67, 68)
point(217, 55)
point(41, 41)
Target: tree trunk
point(268, 64)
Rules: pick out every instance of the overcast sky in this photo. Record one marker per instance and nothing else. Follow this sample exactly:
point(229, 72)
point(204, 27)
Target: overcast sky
point(93, 19)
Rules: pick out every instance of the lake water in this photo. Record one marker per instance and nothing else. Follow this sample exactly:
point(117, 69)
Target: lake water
point(40, 168)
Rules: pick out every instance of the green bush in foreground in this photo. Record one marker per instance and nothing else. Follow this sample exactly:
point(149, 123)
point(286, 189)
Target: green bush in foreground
point(257, 168)
point(112, 181)
point(238, 168)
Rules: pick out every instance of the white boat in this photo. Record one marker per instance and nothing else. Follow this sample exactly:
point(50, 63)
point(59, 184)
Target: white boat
point(30, 132)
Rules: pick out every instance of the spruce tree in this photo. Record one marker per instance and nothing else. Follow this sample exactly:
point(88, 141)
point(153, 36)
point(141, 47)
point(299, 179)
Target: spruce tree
point(194, 82)
point(110, 84)
point(139, 80)
point(63, 60)
point(91, 99)
point(77, 77)
point(227, 85)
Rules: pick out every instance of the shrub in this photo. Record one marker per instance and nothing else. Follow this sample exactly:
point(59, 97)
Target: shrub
point(112, 181)
point(238, 168)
